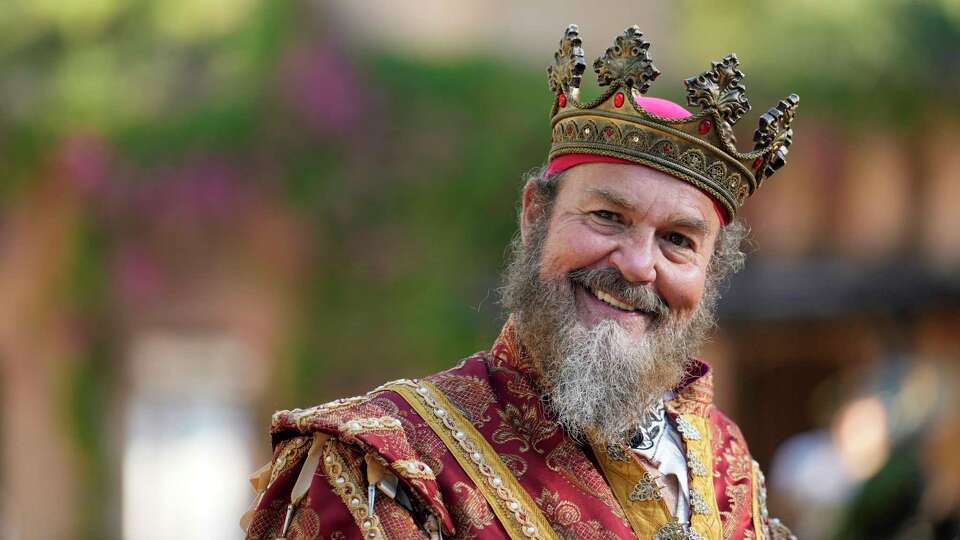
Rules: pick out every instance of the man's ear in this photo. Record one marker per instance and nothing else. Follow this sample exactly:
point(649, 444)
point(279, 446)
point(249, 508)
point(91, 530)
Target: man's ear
point(530, 209)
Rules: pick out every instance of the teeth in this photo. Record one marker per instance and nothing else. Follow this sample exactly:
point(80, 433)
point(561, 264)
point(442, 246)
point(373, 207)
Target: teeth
point(612, 301)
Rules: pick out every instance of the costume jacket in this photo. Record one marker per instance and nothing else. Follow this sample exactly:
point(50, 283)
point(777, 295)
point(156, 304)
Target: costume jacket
point(471, 453)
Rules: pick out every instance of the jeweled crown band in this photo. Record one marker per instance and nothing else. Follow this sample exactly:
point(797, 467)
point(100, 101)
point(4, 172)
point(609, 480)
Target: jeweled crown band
point(698, 148)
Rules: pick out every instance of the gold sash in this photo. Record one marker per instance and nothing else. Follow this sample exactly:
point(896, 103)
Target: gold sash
point(512, 505)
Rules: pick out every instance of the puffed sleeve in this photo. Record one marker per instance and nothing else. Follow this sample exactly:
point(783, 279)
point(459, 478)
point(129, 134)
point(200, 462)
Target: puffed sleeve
point(316, 488)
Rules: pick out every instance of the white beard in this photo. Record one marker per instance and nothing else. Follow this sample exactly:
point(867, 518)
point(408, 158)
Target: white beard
point(602, 379)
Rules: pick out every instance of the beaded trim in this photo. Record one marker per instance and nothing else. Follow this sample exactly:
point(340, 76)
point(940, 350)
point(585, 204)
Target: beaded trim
point(290, 453)
point(704, 513)
point(363, 425)
point(412, 468)
point(696, 466)
point(347, 486)
point(767, 528)
point(689, 431)
point(697, 503)
point(676, 531)
point(513, 506)
point(759, 501)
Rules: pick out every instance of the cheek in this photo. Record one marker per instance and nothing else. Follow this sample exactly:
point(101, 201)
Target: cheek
point(570, 247)
point(682, 286)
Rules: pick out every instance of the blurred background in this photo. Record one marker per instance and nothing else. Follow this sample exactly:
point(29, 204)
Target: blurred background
point(212, 209)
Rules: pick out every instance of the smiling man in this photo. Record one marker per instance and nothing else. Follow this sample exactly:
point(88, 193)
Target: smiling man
point(589, 417)
point(611, 287)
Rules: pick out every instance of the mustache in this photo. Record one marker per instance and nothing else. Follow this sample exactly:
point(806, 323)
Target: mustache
point(613, 282)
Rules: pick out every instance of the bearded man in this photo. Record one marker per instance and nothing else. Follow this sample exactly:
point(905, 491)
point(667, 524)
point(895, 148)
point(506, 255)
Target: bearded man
point(589, 417)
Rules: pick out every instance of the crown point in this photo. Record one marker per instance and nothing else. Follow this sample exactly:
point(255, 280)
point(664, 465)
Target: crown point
point(705, 127)
point(562, 100)
point(618, 99)
point(720, 89)
point(627, 62)
point(568, 67)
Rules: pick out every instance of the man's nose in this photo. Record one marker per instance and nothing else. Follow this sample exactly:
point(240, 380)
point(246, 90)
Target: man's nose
point(636, 259)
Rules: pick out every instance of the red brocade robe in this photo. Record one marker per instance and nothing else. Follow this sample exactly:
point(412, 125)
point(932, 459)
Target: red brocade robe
point(475, 455)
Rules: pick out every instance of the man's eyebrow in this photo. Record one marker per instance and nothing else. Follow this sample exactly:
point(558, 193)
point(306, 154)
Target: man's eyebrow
point(612, 197)
point(691, 223)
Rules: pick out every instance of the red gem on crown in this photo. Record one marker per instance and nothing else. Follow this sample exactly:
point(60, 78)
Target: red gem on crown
point(562, 100)
point(705, 127)
point(757, 163)
point(618, 100)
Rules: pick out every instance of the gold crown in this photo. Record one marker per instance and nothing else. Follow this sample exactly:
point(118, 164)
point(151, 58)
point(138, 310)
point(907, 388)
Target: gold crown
point(700, 148)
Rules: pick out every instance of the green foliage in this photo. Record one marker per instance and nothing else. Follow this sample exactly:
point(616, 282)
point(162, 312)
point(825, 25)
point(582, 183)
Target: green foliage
point(86, 404)
point(869, 61)
point(86, 288)
point(413, 235)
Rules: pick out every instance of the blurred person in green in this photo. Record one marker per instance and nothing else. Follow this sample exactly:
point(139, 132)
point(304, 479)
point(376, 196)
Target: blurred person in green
point(589, 416)
point(886, 467)
point(912, 486)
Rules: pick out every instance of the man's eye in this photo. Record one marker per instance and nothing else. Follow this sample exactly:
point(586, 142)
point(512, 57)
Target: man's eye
point(679, 240)
point(606, 215)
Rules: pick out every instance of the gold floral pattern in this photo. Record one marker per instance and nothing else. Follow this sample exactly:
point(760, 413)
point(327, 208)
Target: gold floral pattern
point(562, 512)
point(421, 437)
point(517, 465)
point(471, 394)
point(306, 523)
point(520, 388)
point(471, 510)
point(396, 521)
point(524, 424)
point(266, 520)
point(568, 460)
point(738, 476)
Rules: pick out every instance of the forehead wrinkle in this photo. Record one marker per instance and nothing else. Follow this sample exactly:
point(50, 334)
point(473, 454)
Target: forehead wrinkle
point(612, 197)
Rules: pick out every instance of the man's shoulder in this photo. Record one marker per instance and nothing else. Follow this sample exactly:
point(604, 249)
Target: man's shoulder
point(695, 395)
point(730, 447)
point(380, 408)
point(376, 432)
point(725, 428)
